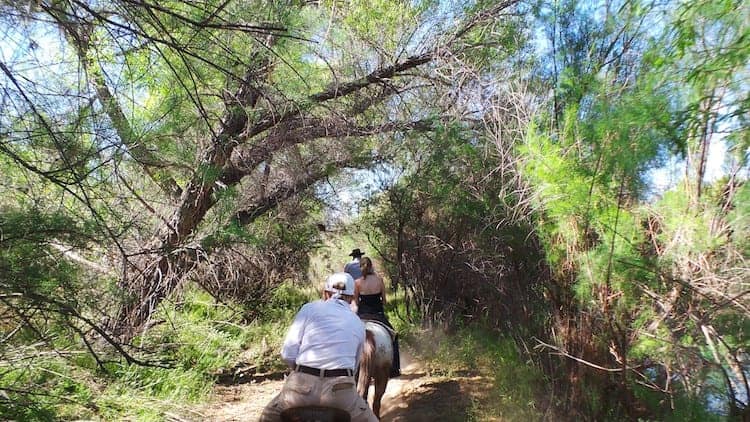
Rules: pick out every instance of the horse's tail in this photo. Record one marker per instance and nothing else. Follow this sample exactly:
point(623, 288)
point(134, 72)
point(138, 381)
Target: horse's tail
point(365, 363)
point(368, 351)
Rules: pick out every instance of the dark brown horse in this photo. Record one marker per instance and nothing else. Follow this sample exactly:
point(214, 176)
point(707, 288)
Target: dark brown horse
point(375, 362)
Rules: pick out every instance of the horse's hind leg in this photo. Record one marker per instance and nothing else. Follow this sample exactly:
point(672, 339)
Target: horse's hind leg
point(366, 389)
point(381, 380)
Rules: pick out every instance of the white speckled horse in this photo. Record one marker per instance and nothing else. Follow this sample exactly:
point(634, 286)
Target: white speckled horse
point(375, 362)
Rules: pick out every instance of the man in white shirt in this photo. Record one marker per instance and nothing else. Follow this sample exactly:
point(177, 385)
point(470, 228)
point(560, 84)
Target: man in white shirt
point(322, 347)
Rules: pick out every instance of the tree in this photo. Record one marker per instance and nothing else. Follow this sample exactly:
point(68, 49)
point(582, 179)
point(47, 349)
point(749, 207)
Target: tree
point(201, 100)
point(628, 291)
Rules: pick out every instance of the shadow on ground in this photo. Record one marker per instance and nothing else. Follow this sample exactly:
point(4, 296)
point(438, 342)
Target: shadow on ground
point(242, 374)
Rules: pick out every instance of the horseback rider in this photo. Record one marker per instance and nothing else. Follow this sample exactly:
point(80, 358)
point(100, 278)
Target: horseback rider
point(352, 267)
point(322, 347)
point(369, 302)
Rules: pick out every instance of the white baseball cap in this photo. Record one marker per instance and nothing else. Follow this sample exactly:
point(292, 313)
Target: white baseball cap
point(341, 283)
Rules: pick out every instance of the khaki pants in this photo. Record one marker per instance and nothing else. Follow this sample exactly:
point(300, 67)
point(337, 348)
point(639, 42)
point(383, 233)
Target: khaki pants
point(302, 389)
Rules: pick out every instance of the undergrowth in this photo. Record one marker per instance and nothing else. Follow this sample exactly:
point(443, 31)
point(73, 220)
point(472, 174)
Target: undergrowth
point(194, 340)
point(478, 351)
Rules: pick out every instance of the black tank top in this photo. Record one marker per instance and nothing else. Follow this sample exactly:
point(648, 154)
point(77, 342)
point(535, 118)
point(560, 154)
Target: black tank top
point(370, 304)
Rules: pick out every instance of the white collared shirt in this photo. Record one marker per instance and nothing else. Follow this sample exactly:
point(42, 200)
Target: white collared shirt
point(324, 335)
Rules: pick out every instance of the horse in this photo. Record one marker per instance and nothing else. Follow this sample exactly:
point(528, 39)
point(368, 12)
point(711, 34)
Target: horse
point(375, 361)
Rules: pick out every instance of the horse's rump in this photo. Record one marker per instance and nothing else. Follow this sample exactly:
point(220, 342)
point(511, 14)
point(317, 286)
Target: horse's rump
point(375, 362)
point(382, 344)
point(378, 319)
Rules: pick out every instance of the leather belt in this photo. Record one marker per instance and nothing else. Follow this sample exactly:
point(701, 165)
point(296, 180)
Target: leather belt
point(324, 372)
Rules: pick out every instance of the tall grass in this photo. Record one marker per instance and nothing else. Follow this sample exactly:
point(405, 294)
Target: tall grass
point(201, 338)
point(516, 385)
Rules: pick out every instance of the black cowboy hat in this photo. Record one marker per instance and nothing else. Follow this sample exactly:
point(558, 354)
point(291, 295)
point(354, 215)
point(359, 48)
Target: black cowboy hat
point(356, 252)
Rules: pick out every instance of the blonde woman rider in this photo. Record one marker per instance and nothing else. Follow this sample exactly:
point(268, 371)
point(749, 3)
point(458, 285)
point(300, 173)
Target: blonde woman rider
point(369, 300)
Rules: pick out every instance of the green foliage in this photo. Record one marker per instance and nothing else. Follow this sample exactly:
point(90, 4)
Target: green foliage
point(41, 295)
point(685, 408)
point(709, 42)
point(204, 332)
point(546, 165)
point(739, 219)
point(147, 393)
point(621, 261)
point(198, 339)
point(231, 234)
point(35, 276)
point(632, 84)
point(67, 390)
point(286, 301)
point(685, 231)
point(382, 23)
point(400, 315)
point(447, 217)
point(28, 263)
point(725, 21)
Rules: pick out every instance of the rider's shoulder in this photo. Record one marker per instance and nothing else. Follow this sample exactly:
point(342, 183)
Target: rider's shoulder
point(311, 306)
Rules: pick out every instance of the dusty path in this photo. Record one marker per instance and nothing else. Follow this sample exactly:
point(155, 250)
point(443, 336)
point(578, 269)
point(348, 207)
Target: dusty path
point(413, 397)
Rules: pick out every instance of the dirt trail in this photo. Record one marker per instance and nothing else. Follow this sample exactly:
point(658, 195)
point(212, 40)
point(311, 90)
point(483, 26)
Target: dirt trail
point(415, 396)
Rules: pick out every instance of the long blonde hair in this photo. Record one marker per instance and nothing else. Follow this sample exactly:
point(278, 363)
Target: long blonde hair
point(365, 264)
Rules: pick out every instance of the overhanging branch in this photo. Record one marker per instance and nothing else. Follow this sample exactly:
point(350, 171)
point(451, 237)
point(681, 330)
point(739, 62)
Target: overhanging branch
point(335, 127)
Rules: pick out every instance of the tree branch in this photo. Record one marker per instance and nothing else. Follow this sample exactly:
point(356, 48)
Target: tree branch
point(247, 160)
point(79, 35)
